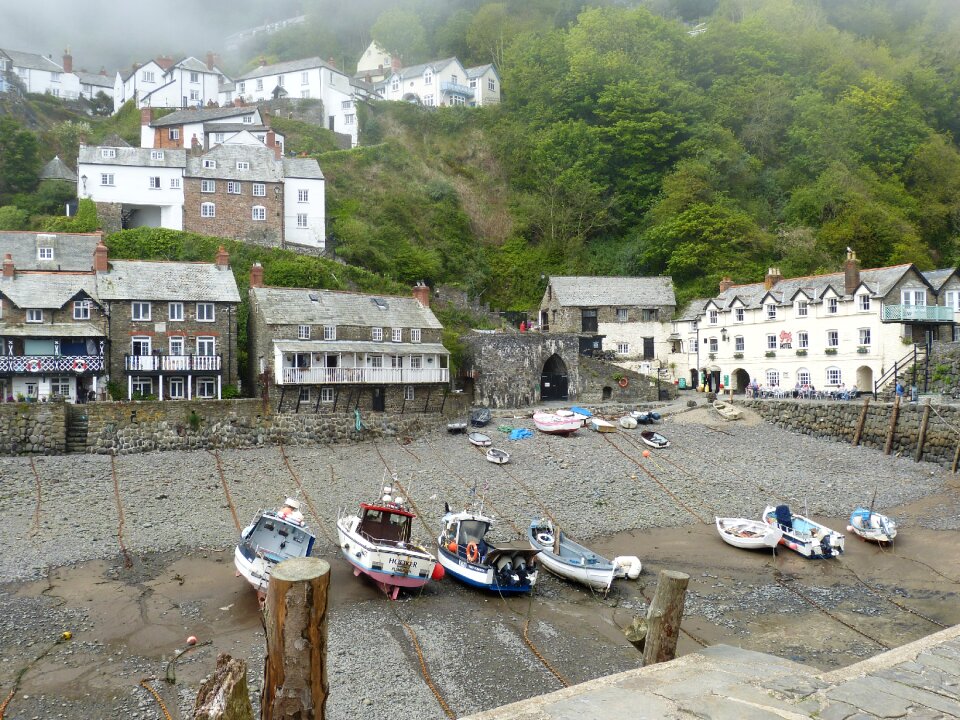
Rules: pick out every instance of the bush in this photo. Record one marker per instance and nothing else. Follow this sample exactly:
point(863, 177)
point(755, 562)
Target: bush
point(83, 222)
point(13, 218)
point(229, 392)
point(116, 390)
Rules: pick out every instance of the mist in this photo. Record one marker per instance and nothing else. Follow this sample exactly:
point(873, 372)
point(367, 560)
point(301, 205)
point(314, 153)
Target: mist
point(113, 34)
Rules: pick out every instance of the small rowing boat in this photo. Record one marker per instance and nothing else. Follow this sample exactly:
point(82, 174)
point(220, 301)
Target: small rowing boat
point(480, 417)
point(562, 556)
point(628, 423)
point(654, 439)
point(748, 534)
point(498, 456)
point(562, 422)
point(601, 425)
point(479, 439)
point(872, 526)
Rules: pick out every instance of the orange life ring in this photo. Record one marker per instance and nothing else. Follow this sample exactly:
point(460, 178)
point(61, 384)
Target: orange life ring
point(623, 382)
point(80, 364)
point(473, 552)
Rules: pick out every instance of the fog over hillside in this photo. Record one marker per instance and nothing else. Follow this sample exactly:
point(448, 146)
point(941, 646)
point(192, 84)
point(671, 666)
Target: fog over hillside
point(115, 33)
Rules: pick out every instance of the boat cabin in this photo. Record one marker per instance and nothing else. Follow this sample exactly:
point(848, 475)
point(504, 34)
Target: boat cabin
point(278, 538)
point(385, 524)
point(466, 531)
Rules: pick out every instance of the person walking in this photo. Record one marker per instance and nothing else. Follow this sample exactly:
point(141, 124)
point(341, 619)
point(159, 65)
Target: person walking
point(899, 388)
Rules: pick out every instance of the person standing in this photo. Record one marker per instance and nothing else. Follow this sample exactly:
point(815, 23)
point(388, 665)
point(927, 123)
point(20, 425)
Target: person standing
point(899, 388)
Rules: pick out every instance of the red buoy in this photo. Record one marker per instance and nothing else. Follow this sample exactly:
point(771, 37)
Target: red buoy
point(438, 572)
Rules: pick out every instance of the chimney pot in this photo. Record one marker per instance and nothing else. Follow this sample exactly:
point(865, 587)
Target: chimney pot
point(256, 275)
point(211, 60)
point(726, 283)
point(772, 278)
point(100, 258)
point(223, 258)
point(8, 265)
point(421, 291)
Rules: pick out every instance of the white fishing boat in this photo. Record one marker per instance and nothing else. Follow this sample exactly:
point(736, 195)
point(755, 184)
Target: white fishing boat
point(562, 422)
point(601, 425)
point(568, 559)
point(628, 423)
point(872, 526)
point(803, 535)
point(749, 534)
point(464, 551)
point(498, 456)
point(654, 439)
point(479, 439)
point(377, 542)
point(727, 411)
point(271, 537)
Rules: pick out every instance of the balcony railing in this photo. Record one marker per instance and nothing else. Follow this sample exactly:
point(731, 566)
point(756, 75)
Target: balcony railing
point(49, 364)
point(173, 363)
point(917, 313)
point(456, 88)
point(341, 375)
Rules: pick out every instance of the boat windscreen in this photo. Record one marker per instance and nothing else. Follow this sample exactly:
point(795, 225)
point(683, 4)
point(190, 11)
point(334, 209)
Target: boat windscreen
point(472, 531)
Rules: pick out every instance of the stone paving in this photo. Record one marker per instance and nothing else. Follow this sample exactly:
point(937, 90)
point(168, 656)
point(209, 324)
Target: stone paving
point(919, 681)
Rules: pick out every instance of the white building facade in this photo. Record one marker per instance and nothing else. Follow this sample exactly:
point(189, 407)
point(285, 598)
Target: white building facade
point(40, 74)
point(163, 83)
point(443, 83)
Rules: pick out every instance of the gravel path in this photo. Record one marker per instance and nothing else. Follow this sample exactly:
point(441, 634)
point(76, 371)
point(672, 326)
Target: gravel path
point(595, 485)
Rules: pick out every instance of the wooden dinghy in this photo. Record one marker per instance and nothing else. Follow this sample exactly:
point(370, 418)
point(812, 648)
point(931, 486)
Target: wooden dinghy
point(748, 534)
point(562, 422)
point(568, 559)
point(479, 439)
point(654, 439)
point(498, 456)
point(601, 425)
point(872, 526)
point(727, 411)
point(803, 535)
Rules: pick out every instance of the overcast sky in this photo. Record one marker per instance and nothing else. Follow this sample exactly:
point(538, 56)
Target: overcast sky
point(116, 33)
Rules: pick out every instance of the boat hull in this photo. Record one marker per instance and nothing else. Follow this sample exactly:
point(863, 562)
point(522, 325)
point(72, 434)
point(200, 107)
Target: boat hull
point(807, 537)
point(498, 456)
point(575, 562)
point(554, 424)
point(481, 576)
point(256, 571)
point(748, 534)
point(479, 439)
point(392, 568)
point(654, 440)
point(872, 527)
point(600, 425)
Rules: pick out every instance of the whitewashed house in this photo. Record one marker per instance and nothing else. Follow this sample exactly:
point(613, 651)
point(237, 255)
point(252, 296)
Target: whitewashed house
point(304, 204)
point(207, 127)
point(91, 84)
point(484, 80)
point(164, 83)
point(375, 64)
point(442, 82)
point(310, 78)
point(42, 75)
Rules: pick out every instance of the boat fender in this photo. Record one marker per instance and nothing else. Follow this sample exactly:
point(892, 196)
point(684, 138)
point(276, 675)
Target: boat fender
point(628, 566)
point(545, 538)
point(452, 547)
point(849, 528)
point(438, 572)
point(473, 552)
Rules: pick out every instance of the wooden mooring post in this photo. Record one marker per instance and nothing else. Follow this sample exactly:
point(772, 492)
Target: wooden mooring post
point(664, 616)
point(923, 431)
point(894, 412)
point(858, 433)
point(295, 672)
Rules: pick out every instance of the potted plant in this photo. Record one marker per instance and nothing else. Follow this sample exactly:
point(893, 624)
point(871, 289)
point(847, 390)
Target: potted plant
point(801, 352)
point(738, 356)
point(830, 351)
point(770, 353)
point(863, 349)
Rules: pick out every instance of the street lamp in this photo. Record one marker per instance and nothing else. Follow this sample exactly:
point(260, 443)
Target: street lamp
point(83, 180)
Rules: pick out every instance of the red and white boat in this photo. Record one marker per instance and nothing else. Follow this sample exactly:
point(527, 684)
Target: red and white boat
point(377, 542)
point(561, 422)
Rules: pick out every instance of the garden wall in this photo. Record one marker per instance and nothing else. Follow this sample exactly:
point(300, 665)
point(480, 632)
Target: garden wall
point(32, 428)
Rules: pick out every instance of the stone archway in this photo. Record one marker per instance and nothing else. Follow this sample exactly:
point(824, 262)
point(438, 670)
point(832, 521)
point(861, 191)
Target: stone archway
point(554, 380)
point(865, 379)
point(741, 378)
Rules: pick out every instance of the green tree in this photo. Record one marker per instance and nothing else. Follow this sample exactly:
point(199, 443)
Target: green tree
point(13, 218)
point(401, 33)
point(19, 159)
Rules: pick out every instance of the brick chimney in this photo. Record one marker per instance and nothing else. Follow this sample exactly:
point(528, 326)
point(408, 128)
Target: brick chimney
point(223, 259)
point(238, 101)
point(851, 272)
point(8, 265)
point(772, 278)
point(726, 283)
point(67, 61)
point(146, 116)
point(211, 60)
point(103, 71)
point(256, 275)
point(422, 294)
point(195, 143)
point(100, 258)
point(271, 142)
point(395, 63)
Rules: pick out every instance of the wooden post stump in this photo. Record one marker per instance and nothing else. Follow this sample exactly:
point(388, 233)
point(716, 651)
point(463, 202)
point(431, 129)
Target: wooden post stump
point(858, 433)
point(664, 616)
point(295, 676)
point(888, 445)
point(223, 695)
point(923, 431)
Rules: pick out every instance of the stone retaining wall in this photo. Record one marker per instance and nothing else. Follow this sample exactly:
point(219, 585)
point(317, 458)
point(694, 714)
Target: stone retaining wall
point(838, 420)
point(33, 428)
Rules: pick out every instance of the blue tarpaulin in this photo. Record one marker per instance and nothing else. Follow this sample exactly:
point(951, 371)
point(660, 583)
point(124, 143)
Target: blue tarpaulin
point(520, 434)
point(581, 411)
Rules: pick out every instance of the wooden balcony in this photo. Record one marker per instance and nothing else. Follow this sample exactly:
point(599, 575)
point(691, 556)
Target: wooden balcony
point(174, 364)
point(51, 364)
point(361, 376)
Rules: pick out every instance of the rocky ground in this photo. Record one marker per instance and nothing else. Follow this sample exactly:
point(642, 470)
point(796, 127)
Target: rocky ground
point(67, 523)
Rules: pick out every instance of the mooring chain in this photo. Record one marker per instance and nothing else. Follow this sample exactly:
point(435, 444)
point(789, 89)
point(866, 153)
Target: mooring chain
point(395, 478)
point(810, 601)
point(889, 599)
point(156, 696)
point(424, 671)
point(35, 527)
point(127, 560)
point(306, 498)
point(526, 638)
point(226, 489)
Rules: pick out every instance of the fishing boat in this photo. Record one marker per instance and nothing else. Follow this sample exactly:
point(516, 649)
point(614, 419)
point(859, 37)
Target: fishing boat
point(654, 439)
point(568, 559)
point(562, 422)
point(480, 417)
point(803, 535)
point(628, 423)
point(479, 439)
point(727, 411)
point(749, 534)
point(376, 541)
point(464, 552)
point(872, 526)
point(498, 456)
point(457, 426)
point(601, 425)
point(271, 537)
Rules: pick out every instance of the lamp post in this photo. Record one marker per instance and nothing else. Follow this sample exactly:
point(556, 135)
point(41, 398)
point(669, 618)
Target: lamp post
point(83, 180)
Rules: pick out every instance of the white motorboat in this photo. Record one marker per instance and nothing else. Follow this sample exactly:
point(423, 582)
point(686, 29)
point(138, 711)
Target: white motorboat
point(568, 559)
point(376, 541)
point(749, 534)
point(272, 537)
point(562, 422)
point(803, 535)
point(872, 526)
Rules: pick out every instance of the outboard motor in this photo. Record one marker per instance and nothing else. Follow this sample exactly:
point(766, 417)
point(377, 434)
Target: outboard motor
point(520, 564)
point(505, 573)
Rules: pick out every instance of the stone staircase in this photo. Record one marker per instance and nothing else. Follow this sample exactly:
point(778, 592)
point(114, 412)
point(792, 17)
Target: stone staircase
point(77, 429)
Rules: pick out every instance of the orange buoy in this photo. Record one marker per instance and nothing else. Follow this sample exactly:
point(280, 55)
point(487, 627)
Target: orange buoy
point(646, 453)
point(452, 547)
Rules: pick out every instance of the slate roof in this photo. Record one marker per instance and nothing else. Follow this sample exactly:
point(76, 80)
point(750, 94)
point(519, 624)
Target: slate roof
point(937, 278)
point(234, 127)
point(878, 280)
point(293, 306)
point(264, 167)
point(287, 67)
point(195, 115)
point(693, 310)
point(172, 158)
point(47, 291)
point(591, 291)
point(193, 65)
point(359, 346)
point(302, 168)
point(162, 281)
point(71, 252)
point(32, 61)
point(57, 169)
point(76, 329)
point(417, 70)
point(88, 78)
point(475, 72)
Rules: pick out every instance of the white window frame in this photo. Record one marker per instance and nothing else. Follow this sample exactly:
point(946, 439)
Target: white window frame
point(738, 343)
point(864, 302)
point(154, 182)
point(326, 394)
point(305, 77)
point(301, 220)
point(142, 385)
point(771, 342)
point(141, 311)
point(175, 183)
point(175, 388)
point(833, 338)
point(803, 340)
point(208, 210)
point(206, 388)
point(173, 134)
point(623, 348)
point(106, 179)
point(243, 165)
point(865, 336)
point(833, 305)
point(623, 314)
point(738, 315)
point(913, 296)
point(408, 392)
point(34, 315)
point(209, 164)
point(491, 85)
point(81, 309)
point(177, 345)
point(303, 195)
point(233, 188)
point(713, 317)
point(206, 343)
point(44, 253)
point(416, 362)
point(108, 153)
point(414, 335)
point(148, 76)
point(206, 312)
point(396, 335)
point(258, 213)
point(771, 309)
point(146, 345)
point(349, 118)
point(376, 361)
point(773, 378)
point(259, 190)
point(208, 186)
point(259, 84)
point(303, 332)
point(833, 376)
point(156, 154)
point(802, 308)
point(329, 332)
point(714, 345)
point(376, 334)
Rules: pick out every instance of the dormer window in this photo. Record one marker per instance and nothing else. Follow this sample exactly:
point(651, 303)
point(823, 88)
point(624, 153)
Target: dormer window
point(210, 164)
point(243, 166)
point(864, 303)
point(248, 119)
point(802, 308)
point(771, 311)
point(832, 306)
point(108, 153)
point(395, 84)
point(45, 253)
point(713, 317)
point(156, 154)
point(428, 77)
point(738, 314)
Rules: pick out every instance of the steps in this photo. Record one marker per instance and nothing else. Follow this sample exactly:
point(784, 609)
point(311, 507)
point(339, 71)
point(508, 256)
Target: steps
point(77, 429)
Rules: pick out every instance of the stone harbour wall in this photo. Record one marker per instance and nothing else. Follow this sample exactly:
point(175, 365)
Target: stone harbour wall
point(32, 428)
point(838, 420)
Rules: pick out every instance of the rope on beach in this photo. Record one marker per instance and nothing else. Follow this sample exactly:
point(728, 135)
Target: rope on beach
point(889, 599)
point(306, 497)
point(226, 490)
point(156, 696)
point(35, 527)
point(127, 560)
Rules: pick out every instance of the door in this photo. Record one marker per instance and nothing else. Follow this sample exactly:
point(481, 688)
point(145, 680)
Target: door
point(648, 348)
point(588, 320)
point(331, 122)
point(554, 382)
point(379, 399)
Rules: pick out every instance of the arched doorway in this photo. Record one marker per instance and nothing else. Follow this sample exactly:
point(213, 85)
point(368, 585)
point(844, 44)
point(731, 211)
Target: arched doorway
point(553, 379)
point(694, 378)
point(741, 378)
point(865, 379)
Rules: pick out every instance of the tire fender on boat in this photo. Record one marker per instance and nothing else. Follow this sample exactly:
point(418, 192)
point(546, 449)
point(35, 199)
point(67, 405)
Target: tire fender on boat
point(545, 538)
